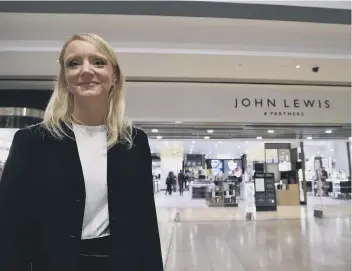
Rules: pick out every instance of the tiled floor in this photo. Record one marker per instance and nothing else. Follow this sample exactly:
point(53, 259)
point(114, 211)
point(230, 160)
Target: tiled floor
point(281, 245)
point(220, 239)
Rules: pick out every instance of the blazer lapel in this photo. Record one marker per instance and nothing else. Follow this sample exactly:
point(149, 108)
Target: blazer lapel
point(115, 164)
point(68, 156)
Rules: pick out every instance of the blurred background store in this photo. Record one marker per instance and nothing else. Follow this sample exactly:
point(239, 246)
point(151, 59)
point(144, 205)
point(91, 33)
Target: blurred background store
point(226, 91)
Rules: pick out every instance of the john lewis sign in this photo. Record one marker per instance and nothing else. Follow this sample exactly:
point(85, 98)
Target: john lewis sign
point(288, 107)
point(193, 102)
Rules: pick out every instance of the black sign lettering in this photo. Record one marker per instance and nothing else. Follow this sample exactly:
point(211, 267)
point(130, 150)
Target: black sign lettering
point(282, 104)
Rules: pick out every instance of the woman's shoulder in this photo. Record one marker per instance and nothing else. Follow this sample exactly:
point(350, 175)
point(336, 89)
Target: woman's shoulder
point(33, 132)
point(139, 138)
point(138, 134)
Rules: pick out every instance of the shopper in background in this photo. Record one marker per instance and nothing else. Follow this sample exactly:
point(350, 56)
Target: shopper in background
point(181, 180)
point(187, 181)
point(64, 208)
point(174, 182)
point(169, 182)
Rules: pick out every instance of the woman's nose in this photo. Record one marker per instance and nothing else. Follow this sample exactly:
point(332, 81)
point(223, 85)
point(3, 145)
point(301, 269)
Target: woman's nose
point(87, 67)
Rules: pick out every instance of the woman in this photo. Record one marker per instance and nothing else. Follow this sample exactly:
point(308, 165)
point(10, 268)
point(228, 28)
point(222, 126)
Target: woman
point(64, 197)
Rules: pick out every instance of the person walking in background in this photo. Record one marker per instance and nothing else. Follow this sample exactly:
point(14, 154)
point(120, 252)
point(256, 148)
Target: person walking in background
point(181, 180)
point(169, 183)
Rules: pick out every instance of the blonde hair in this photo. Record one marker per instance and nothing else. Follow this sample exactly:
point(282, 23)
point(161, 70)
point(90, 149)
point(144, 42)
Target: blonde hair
point(60, 106)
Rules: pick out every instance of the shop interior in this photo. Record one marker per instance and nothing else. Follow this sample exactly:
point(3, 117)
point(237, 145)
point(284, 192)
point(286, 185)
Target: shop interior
point(219, 171)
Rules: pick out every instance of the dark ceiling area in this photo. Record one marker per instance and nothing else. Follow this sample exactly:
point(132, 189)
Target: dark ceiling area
point(169, 130)
point(36, 99)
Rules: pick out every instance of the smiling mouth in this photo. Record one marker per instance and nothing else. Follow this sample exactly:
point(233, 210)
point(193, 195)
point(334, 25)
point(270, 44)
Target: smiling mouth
point(88, 84)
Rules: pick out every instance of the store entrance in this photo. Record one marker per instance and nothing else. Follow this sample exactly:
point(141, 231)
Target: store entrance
point(257, 179)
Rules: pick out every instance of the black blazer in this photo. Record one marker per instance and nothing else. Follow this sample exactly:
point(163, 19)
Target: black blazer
point(42, 200)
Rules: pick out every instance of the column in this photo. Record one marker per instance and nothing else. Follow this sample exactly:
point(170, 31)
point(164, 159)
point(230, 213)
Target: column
point(171, 159)
point(341, 154)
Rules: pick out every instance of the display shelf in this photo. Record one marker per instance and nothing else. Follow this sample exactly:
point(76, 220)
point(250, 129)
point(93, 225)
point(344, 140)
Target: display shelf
point(222, 195)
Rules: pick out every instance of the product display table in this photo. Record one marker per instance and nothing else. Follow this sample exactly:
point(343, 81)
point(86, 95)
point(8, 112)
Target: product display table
point(199, 189)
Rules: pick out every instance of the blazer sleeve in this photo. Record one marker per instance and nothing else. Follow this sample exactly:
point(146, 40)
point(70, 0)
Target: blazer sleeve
point(14, 206)
point(151, 249)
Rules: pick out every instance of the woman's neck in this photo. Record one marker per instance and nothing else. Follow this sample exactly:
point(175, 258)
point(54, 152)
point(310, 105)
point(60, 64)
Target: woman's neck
point(90, 114)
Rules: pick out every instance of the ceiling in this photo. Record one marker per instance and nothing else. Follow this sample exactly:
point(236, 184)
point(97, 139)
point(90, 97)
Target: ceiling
point(227, 149)
point(155, 48)
point(326, 4)
point(176, 131)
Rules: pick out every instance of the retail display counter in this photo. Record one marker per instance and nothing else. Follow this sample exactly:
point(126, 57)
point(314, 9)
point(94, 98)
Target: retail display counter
point(199, 188)
point(332, 187)
point(288, 196)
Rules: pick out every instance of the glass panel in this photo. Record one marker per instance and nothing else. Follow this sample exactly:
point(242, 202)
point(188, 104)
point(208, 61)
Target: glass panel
point(271, 156)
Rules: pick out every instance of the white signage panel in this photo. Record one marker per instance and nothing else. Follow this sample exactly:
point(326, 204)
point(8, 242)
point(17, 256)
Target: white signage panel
point(238, 103)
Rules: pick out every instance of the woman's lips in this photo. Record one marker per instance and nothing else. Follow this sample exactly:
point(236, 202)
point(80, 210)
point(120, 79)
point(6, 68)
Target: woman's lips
point(87, 84)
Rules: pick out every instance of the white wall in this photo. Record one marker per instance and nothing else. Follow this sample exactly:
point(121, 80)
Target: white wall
point(196, 102)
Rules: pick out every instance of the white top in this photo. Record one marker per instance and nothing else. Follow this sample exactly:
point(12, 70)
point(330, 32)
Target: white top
point(92, 148)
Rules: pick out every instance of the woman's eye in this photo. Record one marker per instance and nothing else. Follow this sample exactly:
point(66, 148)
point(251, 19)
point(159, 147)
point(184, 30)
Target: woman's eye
point(72, 64)
point(99, 63)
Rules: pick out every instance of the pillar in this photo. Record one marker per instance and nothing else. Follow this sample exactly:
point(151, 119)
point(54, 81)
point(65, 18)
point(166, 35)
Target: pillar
point(342, 159)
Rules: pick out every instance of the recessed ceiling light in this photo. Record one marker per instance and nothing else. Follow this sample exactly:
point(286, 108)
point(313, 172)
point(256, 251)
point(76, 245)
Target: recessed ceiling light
point(239, 147)
point(259, 137)
point(331, 149)
point(178, 121)
point(298, 66)
point(209, 152)
point(207, 137)
point(328, 132)
point(271, 131)
point(210, 131)
point(350, 138)
point(159, 137)
point(155, 130)
point(246, 142)
point(309, 137)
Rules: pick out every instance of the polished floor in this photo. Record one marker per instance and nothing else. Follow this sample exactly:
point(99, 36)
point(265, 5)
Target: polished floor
point(220, 239)
point(280, 245)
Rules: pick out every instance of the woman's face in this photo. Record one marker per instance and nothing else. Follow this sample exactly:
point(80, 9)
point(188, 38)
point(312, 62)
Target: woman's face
point(87, 71)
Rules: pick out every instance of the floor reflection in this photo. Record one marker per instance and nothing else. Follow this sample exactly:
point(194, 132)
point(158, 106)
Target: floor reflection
point(220, 239)
point(287, 245)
